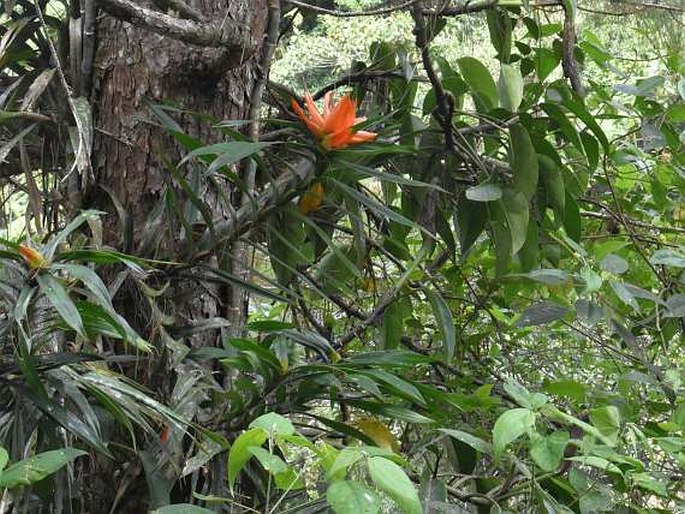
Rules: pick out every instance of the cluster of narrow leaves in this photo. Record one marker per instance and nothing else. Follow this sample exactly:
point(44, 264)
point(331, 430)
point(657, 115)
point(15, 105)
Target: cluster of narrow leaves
point(481, 309)
point(61, 337)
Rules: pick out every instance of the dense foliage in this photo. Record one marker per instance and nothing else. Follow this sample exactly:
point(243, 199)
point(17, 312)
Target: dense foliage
point(480, 308)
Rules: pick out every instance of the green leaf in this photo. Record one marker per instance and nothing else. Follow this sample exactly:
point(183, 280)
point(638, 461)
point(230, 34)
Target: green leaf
point(572, 221)
point(524, 397)
point(570, 132)
point(647, 482)
point(4, 459)
point(479, 80)
point(393, 328)
point(511, 425)
point(500, 27)
point(510, 87)
point(608, 421)
point(516, 211)
point(553, 184)
point(309, 339)
point(61, 237)
point(614, 264)
point(391, 478)
point(548, 276)
point(566, 388)
point(94, 283)
point(529, 254)
point(484, 193)
point(345, 459)
point(348, 497)
point(240, 454)
point(581, 111)
point(546, 61)
point(547, 451)
point(596, 462)
point(667, 257)
point(270, 462)
point(274, 424)
point(591, 147)
point(36, 468)
point(392, 411)
point(443, 316)
point(405, 388)
point(541, 313)
point(500, 237)
point(474, 442)
point(58, 296)
point(471, 218)
point(226, 153)
point(182, 508)
point(524, 161)
point(374, 205)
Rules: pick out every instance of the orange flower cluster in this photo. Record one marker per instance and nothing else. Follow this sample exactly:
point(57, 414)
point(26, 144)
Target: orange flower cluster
point(333, 127)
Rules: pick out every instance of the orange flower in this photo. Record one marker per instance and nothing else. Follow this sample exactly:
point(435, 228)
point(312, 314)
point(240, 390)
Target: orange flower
point(33, 257)
point(311, 200)
point(334, 127)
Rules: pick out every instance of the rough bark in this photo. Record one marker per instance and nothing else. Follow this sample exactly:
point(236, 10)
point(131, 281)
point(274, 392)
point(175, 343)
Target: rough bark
point(132, 65)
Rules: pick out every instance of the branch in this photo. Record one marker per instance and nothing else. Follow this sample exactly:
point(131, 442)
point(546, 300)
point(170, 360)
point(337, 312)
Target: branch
point(185, 10)
point(568, 60)
point(444, 100)
point(281, 191)
point(355, 78)
point(654, 5)
point(230, 34)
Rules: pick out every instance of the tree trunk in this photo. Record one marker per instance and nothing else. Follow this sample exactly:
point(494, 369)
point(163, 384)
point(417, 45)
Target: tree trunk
point(131, 155)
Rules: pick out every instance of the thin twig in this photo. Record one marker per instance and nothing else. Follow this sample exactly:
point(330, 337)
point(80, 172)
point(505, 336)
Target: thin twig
point(350, 14)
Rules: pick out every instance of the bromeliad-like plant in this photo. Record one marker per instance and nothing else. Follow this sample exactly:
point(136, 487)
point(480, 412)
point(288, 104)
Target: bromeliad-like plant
point(61, 337)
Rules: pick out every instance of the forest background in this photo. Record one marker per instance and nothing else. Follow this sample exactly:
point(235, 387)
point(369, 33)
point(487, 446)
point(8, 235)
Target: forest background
point(215, 299)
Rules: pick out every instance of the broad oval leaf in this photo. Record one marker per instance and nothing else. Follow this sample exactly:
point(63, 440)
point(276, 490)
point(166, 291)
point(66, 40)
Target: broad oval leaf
point(474, 442)
point(484, 193)
point(541, 313)
point(274, 423)
point(547, 451)
point(349, 497)
point(479, 80)
point(667, 257)
point(511, 425)
point(516, 211)
point(608, 421)
point(391, 478)
point(510, 87)
point(524, 161)
point(240, 453)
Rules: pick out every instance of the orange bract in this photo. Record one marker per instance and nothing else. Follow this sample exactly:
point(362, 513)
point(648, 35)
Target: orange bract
point(311, 200)
point(33, 257)
point(334, 127)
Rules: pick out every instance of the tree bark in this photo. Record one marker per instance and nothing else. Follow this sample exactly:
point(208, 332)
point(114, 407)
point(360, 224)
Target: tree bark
point(131, 153)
